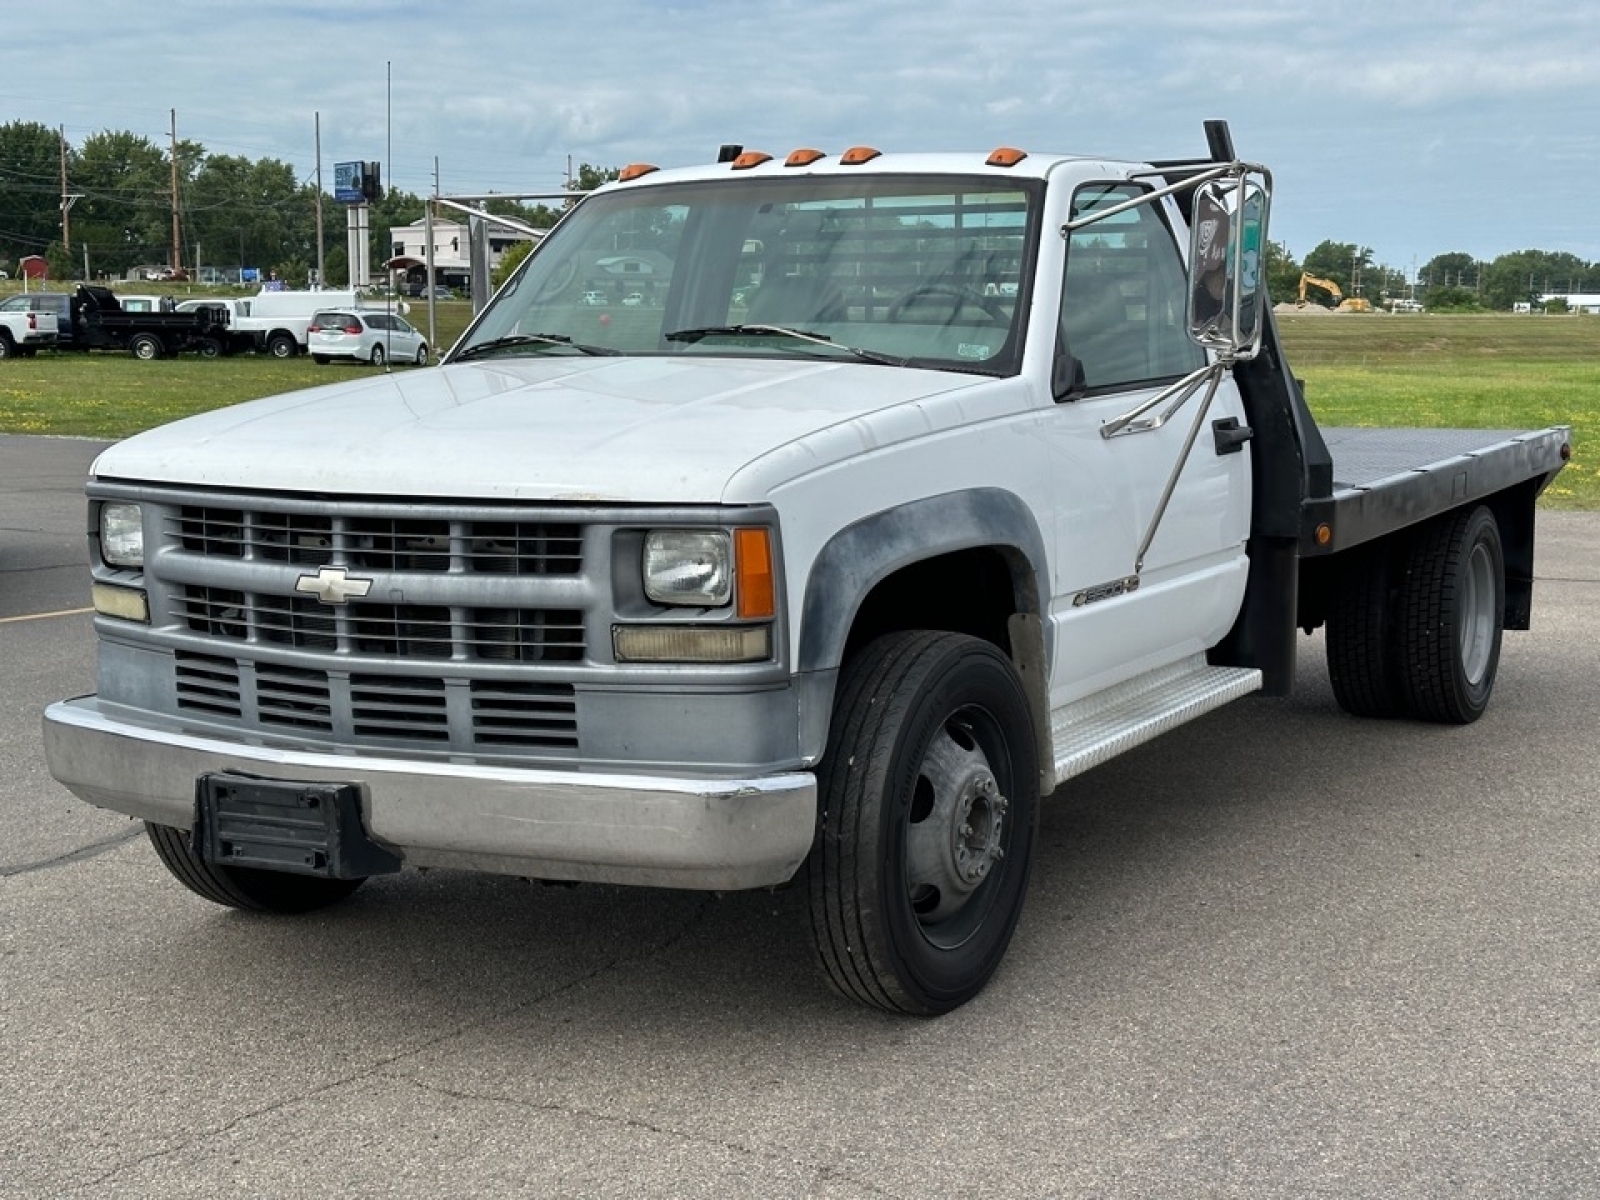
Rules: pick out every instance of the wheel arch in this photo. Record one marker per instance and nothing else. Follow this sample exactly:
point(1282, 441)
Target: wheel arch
point(892, 570)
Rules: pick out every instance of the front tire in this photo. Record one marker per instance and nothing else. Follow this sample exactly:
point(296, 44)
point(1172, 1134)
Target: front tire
point(928, 794)
point(422, 356)
point(244, 887)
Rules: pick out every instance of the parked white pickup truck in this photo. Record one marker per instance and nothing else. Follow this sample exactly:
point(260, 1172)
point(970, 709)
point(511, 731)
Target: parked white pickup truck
point(25, 330)
point(922, 484)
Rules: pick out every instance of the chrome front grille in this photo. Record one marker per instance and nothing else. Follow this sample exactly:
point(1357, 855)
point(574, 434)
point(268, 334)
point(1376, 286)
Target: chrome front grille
point(385, 630)
point(383, 543)
point(458, 595)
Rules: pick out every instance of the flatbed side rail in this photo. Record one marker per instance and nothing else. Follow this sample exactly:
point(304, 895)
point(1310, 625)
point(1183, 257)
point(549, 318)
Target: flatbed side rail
point(1390, 479)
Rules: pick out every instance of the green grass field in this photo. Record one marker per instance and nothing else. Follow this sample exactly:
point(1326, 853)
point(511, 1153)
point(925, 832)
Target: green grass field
point(1485, 372)
point(1465, 372)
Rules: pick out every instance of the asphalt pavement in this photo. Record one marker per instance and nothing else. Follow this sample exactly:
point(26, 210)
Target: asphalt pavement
point(1280, 952)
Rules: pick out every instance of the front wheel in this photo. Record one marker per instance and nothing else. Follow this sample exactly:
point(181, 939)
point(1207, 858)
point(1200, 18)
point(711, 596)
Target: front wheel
point(244, 887)
point(422, 355)
point(928, 794)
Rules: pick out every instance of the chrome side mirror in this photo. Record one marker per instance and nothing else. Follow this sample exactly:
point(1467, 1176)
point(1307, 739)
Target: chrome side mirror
point(1227, 278)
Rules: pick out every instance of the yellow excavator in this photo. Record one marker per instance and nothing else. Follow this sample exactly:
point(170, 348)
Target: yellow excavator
point(1340, 304)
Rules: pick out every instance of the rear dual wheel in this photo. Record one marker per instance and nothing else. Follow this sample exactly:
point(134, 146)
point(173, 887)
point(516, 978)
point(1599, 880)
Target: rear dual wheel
point(929, 805)
point(1418, 633)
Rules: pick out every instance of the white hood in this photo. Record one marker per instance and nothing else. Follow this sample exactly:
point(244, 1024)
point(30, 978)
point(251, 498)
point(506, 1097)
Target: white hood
point(649, 430)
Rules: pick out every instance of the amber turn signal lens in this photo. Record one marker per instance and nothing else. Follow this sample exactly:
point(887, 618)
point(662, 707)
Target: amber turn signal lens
point(752, 567)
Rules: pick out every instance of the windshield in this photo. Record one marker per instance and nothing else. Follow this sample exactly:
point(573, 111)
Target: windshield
point(927, 271)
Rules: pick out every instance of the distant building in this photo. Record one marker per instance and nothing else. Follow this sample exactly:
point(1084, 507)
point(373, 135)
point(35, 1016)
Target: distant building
point(1578, 302)
point(452, 253)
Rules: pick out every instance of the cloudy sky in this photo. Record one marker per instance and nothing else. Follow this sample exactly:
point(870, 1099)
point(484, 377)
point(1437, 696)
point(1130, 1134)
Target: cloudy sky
point(1416, 127)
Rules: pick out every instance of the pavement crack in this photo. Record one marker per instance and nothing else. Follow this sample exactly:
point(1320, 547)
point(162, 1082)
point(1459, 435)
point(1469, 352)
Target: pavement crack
point(822, 1171)
point(92, 850)
point(380, 1066)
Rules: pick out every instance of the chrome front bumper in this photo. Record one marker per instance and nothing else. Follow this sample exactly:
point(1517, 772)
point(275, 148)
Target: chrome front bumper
point(655, 831)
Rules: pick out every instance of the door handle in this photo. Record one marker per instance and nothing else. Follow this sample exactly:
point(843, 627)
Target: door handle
point(1230, 436)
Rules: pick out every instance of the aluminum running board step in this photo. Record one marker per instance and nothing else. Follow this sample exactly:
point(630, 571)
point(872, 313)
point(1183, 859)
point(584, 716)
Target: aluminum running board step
point(1098, 728)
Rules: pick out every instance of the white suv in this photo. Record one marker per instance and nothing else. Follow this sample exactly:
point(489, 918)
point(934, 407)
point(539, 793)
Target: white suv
point(372, 337)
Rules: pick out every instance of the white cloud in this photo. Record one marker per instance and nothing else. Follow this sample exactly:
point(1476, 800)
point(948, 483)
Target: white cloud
point(1395, 125)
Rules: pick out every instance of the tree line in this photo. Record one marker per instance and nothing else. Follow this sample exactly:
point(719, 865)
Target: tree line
point(233, 211)
point(1452, 282)
point(236, 212)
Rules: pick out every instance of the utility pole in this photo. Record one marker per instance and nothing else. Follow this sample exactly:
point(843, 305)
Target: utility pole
point(66, 203)
point(427, 255)
point(177, 245)
point(322, 278)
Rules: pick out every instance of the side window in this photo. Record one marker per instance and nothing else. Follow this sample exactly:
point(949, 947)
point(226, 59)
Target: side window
point(1122, 303)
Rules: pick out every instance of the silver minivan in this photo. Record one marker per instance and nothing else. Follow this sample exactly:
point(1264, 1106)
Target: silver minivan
point(371, 337)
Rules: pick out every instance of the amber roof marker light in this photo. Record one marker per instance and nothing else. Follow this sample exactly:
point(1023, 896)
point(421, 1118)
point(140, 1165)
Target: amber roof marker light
point(634, 170)
point(1006, 156)
point(803, 158)
point(857, 155)
point(750, 158)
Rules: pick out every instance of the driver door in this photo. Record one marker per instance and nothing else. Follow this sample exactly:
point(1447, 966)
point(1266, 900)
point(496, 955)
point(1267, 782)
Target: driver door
point(1122, 336)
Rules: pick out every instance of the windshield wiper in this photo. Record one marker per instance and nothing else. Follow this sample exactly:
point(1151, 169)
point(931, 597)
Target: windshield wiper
point(531, 339)
point(816, 339)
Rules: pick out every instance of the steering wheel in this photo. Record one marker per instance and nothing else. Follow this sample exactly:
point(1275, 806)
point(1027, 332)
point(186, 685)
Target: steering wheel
point(957, 295)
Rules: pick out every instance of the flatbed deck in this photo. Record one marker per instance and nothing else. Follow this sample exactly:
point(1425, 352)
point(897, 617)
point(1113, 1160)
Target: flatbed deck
point(1386, 479)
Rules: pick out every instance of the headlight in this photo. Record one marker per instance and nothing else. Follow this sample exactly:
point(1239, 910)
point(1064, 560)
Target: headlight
point(122, 535)
point(688, 567)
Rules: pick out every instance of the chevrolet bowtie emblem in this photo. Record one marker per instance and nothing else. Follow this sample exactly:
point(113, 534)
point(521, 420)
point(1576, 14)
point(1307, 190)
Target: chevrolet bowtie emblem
point(333, 585)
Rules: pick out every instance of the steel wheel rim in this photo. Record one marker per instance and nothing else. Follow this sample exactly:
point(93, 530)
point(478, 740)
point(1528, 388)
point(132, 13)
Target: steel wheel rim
point(957, 829)
point(1477, 614)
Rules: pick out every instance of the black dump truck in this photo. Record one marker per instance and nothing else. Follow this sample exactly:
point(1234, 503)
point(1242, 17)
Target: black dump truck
point(99, 323)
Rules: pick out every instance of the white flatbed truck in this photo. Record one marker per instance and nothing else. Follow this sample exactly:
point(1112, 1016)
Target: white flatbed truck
point(915, 486)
